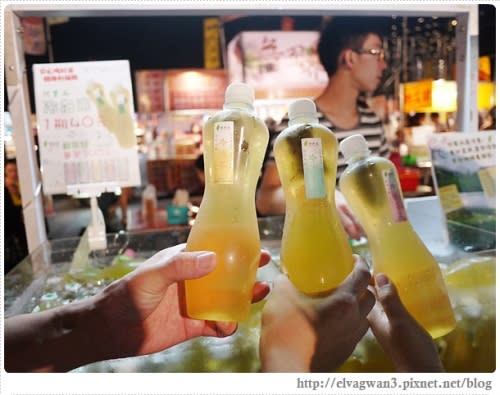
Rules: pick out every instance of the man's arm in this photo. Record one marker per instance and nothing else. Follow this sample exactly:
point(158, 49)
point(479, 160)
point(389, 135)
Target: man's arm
point(57, 340)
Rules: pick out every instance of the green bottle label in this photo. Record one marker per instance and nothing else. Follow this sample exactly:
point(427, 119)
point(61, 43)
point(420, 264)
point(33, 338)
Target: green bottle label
point(314, 173)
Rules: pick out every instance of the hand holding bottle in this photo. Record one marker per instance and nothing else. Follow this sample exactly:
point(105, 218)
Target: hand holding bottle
point(371, 186)
point(300, 336)
point(138, 314)
point(409, 346)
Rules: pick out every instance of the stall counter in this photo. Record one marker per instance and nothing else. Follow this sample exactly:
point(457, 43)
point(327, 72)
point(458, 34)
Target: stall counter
point(43, 281)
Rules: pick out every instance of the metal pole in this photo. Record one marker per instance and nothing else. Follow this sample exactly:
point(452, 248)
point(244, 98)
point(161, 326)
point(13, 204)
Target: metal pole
point(19, 108)
point(48, 37)
point(467, 50)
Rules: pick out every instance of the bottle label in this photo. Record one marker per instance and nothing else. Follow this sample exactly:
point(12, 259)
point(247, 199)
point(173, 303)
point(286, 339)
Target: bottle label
point(314, 173)
point(394, 196)
point(224, 152)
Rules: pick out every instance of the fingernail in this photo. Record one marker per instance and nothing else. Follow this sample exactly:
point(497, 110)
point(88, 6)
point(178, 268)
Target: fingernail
point(381, 280)
point(206, 260)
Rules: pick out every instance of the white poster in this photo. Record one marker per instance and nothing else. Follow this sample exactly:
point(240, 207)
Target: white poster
point(280, 63)
point(86, 126)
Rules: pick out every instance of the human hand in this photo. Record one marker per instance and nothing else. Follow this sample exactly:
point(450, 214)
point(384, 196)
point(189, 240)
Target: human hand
point(300, 336)
point(145, 309)
point(409, 346)
point(349, 221)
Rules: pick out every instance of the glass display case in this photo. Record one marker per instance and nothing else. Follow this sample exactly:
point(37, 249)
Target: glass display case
point(58, 273)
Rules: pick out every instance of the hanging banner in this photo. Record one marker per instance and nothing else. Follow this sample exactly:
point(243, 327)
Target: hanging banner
point(484, 68)
point(34, 36)
point(211, 46)
point(417, 95)
point(86, 125)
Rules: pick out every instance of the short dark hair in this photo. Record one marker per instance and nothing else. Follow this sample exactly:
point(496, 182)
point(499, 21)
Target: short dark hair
point(343, 32)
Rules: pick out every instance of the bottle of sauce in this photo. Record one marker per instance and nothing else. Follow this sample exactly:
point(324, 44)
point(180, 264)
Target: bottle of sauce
point(371, 187)
point(235, 142)
point(315, 251)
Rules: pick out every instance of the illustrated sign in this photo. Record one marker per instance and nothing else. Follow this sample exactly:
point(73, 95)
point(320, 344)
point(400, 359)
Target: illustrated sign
point(86, 126)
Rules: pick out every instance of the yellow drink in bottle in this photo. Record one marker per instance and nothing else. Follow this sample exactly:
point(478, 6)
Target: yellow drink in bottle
point(371, 187)
point(315, 251)
point(235, 142)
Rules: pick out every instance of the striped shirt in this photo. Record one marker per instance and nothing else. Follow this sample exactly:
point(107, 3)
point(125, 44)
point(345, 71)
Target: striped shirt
point(369, 126)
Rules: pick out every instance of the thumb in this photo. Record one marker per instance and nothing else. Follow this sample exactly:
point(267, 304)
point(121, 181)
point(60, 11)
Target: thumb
point(188, 265)
point(182, 266)
point(388, 296)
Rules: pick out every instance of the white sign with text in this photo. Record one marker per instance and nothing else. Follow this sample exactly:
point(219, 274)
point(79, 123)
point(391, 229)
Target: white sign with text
point(86, 130)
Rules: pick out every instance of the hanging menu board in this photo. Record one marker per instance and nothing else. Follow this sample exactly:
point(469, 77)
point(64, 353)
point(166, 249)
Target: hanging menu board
point(464, 167)
point(149, 90)
point(86, 126)
point(192, 89)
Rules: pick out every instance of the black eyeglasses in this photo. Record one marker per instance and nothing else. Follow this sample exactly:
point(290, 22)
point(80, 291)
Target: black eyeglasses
point(379, 52)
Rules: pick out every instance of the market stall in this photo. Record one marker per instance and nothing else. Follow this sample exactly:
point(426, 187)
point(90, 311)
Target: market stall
point(48, 278)
point(45, 278)
point(466, 72)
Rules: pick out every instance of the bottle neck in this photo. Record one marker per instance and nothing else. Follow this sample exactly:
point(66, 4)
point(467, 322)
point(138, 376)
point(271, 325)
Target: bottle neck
point(358, 156)
point(238, 105)
point(302, 119)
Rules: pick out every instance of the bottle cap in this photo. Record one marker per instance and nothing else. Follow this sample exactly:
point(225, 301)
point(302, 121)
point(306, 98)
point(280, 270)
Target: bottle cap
point(239, 92)
point(353, 145)
point(302, 110)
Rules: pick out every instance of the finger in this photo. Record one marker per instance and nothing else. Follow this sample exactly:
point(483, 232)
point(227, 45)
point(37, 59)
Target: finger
point(159, 259)
point(379, 323)
point(282, 292)
point(359, 279)
point(388, 297)
point(219, 328)
point(366, 302)
point(265, 257)
point(260, 291)
point(186, 266)
point(161, 256)
point(377, 315)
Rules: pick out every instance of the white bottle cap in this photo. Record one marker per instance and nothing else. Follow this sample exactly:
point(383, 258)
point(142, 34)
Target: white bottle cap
point(239, 92)
point(353, 145)
point(302, 111)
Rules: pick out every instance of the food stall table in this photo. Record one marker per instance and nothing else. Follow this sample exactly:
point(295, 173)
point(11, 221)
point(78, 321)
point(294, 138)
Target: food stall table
point(43, 281)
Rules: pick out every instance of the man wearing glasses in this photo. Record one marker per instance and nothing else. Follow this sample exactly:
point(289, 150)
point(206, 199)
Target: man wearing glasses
point(351, 52)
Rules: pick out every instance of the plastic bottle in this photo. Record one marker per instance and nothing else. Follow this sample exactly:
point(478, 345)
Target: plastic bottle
point(371, 187)
point(149, 204)
point(235, 142)
point(315, 250)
